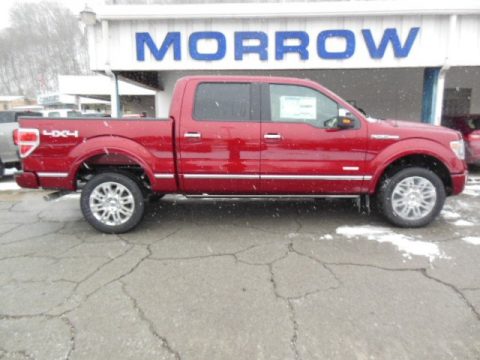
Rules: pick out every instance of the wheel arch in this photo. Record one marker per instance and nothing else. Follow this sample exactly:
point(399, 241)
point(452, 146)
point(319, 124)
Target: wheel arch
point(419, 159)
point(108, 152)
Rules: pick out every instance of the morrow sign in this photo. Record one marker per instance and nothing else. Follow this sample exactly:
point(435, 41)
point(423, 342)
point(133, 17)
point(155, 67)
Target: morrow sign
point(302, 43)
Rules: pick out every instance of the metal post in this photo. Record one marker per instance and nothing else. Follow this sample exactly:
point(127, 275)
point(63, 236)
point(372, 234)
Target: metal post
point(114, 97)
point(430, 88)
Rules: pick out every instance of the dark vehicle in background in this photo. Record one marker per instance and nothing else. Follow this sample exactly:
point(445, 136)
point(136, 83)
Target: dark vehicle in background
point(8, 150)
point(469, 126)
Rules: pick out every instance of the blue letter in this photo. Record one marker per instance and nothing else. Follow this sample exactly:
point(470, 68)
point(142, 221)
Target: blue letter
point(281, 49)
point(193, 45)
point(260, 49)
point(144, 38)
point(390, 35)
point(346, 34)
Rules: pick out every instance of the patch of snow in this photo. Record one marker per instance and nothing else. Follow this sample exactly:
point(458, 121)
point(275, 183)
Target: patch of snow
point(404, 243)
point(75, 196)
point(450, 215)
point(463, 223)
point(473, 179)
point(353, 231)
point(472, 190)
point(10, 172)
point(310, 236)
point(8, 186)
point(474, 240)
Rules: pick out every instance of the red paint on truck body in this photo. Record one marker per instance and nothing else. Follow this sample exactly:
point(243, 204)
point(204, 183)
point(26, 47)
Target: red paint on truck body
point(234, 157)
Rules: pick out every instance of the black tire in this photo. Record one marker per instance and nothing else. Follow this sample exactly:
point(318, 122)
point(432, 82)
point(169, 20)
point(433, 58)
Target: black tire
point(128, 187)
point(386, 193)
point(2, 169)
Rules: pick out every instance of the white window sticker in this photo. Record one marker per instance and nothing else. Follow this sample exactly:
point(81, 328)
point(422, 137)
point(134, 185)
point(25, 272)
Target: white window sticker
point(298, 107)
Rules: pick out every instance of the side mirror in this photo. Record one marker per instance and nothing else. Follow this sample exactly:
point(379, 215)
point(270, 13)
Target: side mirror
point(345, 122)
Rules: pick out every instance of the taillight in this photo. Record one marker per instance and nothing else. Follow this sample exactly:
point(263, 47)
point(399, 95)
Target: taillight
point(27, 140)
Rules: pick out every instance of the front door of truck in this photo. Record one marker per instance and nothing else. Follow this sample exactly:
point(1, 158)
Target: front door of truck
point(219, 138)
point(303, 150)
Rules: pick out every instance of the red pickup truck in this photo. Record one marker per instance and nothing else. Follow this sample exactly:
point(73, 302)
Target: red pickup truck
point(244, 136)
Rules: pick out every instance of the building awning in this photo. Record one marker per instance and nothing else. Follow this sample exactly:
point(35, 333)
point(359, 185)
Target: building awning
point(97, 86)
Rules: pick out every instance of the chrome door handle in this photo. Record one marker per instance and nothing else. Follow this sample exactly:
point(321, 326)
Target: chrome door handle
point(271, 136)
point(192, 135)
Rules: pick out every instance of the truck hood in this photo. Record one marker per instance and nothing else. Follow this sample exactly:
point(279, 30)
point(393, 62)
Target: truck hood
point(408, 129)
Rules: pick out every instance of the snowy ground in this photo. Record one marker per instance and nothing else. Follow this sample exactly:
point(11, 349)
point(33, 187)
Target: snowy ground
point(238, 280)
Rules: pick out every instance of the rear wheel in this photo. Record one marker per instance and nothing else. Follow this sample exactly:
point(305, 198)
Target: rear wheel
point(413, 197)
point(112, 203)
point(2, 169)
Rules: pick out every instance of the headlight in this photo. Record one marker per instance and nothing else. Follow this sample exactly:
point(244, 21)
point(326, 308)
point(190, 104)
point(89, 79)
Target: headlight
point(458, 148)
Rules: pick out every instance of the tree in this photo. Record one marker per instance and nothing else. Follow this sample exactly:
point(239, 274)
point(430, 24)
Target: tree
point(44, 40)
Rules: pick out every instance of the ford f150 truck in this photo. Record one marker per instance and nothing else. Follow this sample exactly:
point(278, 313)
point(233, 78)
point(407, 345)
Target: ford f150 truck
point(244, 136)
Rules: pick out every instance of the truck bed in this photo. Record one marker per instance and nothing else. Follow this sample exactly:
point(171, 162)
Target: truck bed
point(68, 144)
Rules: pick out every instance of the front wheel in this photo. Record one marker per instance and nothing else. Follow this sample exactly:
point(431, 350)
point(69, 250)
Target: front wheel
point(112, 203)
point(413, 197)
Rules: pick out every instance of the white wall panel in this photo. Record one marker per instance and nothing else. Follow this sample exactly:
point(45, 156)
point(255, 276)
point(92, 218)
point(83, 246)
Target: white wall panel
point(429, 48)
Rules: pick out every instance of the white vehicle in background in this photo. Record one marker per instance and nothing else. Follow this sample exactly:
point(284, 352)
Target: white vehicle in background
point(8, 150)
point(62, 113)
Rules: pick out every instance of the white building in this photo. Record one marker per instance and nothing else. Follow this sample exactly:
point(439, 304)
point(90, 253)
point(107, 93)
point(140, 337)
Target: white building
point(398, 59)
point(93, 93)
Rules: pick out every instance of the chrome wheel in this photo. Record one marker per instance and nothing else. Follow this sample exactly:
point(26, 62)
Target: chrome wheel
point(413, 198)
point(112, 203)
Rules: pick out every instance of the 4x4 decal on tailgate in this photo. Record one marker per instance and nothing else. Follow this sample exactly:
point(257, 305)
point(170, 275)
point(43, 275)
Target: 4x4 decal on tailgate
point(60, 133)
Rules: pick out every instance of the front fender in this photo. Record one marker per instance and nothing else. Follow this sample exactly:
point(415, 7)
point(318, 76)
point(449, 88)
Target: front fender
point(415, 146)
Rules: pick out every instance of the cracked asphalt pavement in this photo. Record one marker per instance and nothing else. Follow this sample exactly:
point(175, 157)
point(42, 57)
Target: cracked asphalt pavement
point(204, 279)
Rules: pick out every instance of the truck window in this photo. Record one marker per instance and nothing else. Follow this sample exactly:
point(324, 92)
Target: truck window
point(222, 101)
point(292, 103)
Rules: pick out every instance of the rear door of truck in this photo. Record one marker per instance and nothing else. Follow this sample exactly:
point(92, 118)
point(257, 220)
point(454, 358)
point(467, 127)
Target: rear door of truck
point(219, 137)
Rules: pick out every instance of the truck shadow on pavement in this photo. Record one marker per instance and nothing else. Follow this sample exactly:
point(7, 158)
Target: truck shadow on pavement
point(223, 212)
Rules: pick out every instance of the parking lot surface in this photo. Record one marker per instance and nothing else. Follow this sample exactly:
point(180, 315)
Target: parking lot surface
point(203, 279)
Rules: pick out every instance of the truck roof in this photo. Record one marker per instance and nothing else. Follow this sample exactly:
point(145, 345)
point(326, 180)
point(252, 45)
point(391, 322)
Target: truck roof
point(248, 78)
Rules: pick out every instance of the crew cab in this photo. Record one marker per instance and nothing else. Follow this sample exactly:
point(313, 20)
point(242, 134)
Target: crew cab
point(231, 136)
